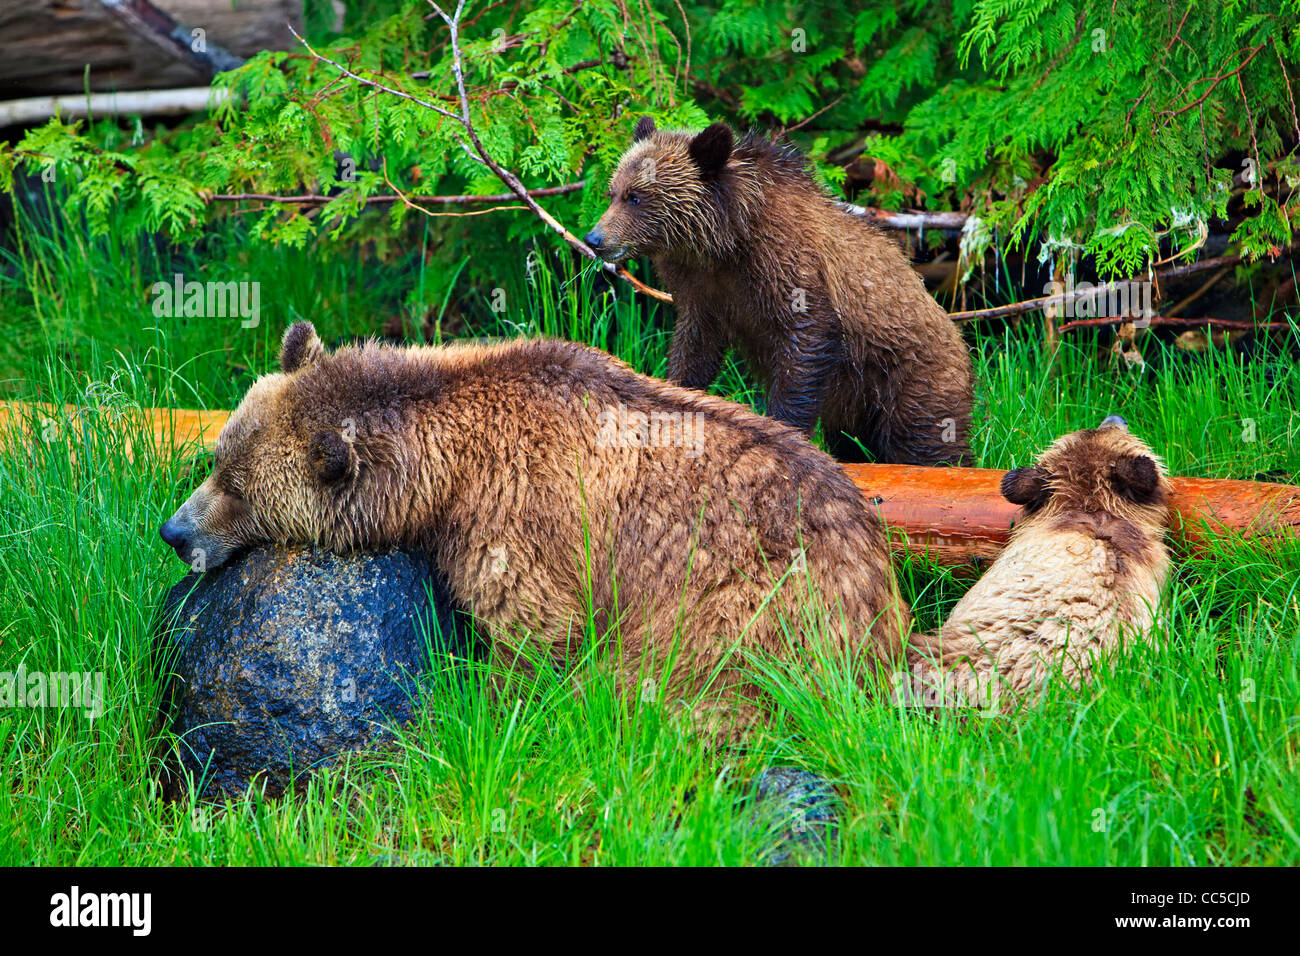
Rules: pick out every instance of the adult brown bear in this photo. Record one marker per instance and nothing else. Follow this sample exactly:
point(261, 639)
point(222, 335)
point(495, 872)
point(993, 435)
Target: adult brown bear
point(562, 494)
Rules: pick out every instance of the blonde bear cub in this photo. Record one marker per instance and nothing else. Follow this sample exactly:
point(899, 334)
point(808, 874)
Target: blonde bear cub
point(1082, 574)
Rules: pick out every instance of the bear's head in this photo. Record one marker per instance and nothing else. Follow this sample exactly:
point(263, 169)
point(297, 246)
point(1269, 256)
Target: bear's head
point(294, 464)
point(1103, 470)
point(663, 193)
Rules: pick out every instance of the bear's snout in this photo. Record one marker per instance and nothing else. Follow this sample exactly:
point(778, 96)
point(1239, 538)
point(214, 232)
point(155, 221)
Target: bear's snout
point(600, 244)
point(176, 536)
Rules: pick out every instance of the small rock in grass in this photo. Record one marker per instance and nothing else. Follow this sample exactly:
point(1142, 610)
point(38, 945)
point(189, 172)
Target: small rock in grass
point(796, 809)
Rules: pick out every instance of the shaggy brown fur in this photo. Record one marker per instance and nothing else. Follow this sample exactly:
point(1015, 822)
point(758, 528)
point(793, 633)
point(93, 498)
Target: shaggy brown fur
point(554, 485)
point(824, 309)
point(1083, 571)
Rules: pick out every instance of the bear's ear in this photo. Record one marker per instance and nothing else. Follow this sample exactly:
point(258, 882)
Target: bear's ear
point(1136, 477)
point(644, 127)
point(300, 348)
point(329, 456)
point(711, 148)
point(1025, 486)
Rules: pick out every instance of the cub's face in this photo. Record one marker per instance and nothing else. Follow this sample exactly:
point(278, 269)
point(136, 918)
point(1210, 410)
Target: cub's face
point(1104, 469)
point(659, 191)
point(273, 470)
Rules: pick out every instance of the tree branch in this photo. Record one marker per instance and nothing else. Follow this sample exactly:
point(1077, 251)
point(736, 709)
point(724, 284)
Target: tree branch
point(1030, 305)
point(1214, 81)
point(475, 149)
point(315, 199)
point(1232, 324)
point(510, 179)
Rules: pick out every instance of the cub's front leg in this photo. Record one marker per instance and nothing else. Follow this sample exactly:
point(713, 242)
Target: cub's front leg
point(697, 349)
point(801, 373)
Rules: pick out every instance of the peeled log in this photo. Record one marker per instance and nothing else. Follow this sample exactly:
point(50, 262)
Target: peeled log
point(955, 515)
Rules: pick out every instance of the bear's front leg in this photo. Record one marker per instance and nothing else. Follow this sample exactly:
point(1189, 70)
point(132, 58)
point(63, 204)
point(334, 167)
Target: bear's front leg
point(801, 375)
point(696, 353)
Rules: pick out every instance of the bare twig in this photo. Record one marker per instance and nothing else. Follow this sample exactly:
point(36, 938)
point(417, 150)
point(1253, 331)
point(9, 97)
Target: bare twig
point(1258, 172)
point(1231, 324)
point(434, 215)
point(686, 25)
point(802, 123)
point(509, 178)
point(1204, 287)
point(1029, 305)
point(1214, 81)
point(909, 220)
point(1295, 120)
point(315, 199)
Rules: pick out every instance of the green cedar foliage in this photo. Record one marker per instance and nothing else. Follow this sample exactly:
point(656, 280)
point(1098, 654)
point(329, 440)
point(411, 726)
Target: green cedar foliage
point(1109, 128)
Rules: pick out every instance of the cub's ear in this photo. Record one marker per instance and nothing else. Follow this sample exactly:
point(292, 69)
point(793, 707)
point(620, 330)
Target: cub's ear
point(1025, 486)
point(1136, 477)
point(711, 148)
point(644, 127)
point(330, 457)
point(300, 348)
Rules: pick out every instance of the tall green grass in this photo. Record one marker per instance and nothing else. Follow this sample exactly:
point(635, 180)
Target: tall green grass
point(1182, 754)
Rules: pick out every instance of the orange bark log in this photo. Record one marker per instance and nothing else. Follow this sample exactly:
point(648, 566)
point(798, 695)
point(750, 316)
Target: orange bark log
point(956, 515)
point(167, 428)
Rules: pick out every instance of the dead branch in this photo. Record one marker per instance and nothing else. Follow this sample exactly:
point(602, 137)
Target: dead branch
point(1204, 287)
point(475, 149)
point(1246, 325)
point(1030, 305)
point(406, 201)
point(907, 221)
point(158, 27)
point(314, 199)
point(509, 178)
point(1214, 81)
point(34, 109)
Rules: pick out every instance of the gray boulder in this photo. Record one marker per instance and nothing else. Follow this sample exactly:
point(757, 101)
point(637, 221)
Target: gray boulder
point(285, 658)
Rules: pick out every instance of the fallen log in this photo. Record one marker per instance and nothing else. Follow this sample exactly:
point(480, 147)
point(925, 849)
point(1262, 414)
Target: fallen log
point(956, 516)
point(36, 109)
point(71, 46)
point(167, 431)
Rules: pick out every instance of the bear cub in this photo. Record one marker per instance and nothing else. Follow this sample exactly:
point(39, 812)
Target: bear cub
point(824, 308)
point(1082, 573)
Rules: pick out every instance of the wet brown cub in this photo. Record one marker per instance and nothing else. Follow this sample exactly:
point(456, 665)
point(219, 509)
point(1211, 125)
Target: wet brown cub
point(824, 309)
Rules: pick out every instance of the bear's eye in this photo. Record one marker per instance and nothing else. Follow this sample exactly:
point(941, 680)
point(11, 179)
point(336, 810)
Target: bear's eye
point(633, 199)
